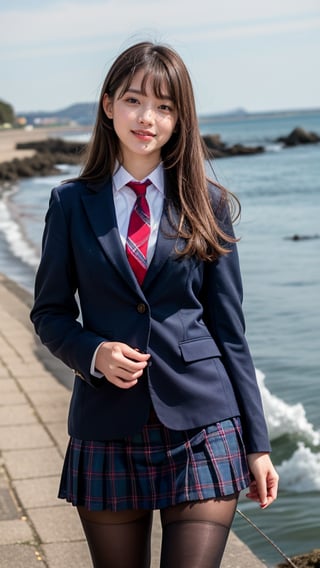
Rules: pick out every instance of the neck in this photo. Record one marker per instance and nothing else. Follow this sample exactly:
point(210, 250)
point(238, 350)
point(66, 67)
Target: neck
point(140, 169)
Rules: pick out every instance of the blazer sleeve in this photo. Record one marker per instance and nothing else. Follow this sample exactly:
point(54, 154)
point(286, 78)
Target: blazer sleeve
point(55, 313)
point(223, 295)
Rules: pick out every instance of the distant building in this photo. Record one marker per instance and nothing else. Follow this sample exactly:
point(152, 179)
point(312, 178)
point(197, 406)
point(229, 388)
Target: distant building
point(21, 121)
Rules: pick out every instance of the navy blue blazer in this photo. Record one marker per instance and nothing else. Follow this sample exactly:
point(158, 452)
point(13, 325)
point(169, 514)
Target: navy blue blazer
point(187, 315)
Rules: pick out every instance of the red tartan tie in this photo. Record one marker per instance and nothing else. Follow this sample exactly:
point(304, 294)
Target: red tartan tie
point(139, 231)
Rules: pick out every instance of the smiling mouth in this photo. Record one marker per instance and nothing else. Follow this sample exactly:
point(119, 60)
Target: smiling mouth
point(143, 134)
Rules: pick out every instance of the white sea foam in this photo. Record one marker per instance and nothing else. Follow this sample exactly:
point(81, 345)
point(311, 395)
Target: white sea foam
point(66, 171)
point(283, 418)
point(301, 472)
point(15, 238)
point(85, 137)
point(273, 147)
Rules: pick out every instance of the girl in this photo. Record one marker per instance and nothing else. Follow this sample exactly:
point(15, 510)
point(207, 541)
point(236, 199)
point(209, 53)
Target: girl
point(165, 411)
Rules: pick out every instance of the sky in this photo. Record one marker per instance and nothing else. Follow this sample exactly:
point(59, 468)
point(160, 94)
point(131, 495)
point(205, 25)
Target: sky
point(250, 54)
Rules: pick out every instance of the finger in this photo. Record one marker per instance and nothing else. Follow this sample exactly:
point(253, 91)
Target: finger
point(272, 489)
point(122, 383)
point(273, 492)
point(271, 496)
point(117, 375)
point(262, 493)
point(129, 364)
point(133, 366)
point(135, 354)
point(125, 384)
point(258, 489)
point(252, 493)
point(268, 502)
point(127, 374)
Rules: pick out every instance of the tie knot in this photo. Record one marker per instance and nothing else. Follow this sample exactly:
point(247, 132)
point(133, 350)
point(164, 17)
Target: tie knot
point(138, 187)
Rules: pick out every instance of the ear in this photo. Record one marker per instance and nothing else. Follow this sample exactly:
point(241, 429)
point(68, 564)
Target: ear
point(107, 105)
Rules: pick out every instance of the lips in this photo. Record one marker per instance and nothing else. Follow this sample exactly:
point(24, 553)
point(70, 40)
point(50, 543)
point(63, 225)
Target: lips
point(144, 134)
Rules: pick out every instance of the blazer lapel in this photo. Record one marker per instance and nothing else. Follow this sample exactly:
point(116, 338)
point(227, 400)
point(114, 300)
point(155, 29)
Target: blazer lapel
point(166, 241)
point(99, 207)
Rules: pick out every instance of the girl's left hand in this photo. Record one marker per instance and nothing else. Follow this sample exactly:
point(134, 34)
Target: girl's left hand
point(264, 487)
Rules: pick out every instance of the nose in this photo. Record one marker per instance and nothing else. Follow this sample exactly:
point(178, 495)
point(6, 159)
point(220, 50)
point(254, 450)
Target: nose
point(146, 115)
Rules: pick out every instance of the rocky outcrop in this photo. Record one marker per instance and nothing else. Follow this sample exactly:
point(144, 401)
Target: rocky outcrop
point(53, 151)
point(53, 146)
point(297, 237)
point(309, 560)
point(218, 149)
point(299, 136)
point(48, 153)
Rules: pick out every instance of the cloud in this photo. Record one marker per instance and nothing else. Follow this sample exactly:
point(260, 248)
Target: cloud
point(68, 21)
point(73, 42)
point(260, 28)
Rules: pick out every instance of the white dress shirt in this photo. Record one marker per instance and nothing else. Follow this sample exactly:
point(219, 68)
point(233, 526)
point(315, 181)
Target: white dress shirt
point(124, 199)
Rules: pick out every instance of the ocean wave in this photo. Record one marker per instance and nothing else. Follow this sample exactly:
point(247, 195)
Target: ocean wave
point(16, 239)
point(285, 419)
point(301, 472)
point(273, 147)
point(66, 171)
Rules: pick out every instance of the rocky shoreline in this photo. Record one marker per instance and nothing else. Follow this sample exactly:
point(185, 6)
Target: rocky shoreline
point(309, 560)
point(47, 153)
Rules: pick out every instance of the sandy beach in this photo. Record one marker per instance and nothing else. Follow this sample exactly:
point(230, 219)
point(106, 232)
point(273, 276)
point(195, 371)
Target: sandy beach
point(9, 138)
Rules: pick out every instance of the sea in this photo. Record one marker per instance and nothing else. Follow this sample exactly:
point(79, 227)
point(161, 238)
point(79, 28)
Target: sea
point(279, 248)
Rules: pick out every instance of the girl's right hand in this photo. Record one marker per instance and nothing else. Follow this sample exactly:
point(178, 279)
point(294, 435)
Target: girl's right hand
point(120, 364)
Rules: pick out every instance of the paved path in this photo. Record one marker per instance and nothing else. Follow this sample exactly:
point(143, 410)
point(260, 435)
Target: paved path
point(36, 528)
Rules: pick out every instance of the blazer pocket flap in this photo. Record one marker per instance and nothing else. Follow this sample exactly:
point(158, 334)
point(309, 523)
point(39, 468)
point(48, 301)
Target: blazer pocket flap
point(198, 349)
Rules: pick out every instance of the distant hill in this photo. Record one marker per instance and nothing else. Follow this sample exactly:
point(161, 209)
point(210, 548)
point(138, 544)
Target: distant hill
point(84, 114)
point(80, 113)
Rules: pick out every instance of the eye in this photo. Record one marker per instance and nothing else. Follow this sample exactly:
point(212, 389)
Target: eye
point(131, 100)
point(166, 108)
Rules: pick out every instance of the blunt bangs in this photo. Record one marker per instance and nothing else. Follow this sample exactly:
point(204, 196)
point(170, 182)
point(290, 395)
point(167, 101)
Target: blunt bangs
point(157, 75)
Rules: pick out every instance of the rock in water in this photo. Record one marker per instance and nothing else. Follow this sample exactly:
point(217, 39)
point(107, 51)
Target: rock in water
point(299, 136)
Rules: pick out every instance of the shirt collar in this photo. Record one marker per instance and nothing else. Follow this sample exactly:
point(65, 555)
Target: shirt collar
point(121, 177)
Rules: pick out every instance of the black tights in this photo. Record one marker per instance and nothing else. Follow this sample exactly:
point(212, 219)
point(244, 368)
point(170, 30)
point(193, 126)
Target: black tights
point(194, 535)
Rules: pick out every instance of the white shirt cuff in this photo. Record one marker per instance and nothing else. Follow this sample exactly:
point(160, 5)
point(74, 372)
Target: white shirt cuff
point(93, 370)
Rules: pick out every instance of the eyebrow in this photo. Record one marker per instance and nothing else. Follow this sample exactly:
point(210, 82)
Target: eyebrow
point(139, 92)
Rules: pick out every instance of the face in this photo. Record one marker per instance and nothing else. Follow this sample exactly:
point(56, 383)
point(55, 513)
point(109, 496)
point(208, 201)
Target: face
point(142, 122)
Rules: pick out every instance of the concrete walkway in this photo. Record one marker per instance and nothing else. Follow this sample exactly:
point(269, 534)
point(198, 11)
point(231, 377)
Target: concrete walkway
point(36, 528)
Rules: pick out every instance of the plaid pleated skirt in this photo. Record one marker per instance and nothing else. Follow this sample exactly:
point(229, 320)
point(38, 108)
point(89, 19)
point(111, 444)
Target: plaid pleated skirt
point(156, 468)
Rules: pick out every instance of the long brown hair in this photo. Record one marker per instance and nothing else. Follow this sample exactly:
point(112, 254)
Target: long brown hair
point(183, 156)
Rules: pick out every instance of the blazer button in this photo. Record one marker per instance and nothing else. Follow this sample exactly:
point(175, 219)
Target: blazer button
point(141, 308)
